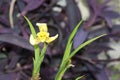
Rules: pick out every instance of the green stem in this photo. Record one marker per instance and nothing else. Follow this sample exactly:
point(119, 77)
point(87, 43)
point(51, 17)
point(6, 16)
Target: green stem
point(42, 55)
point(39, 57)
point(35, 74)
point(63, 69)
point(60, 73)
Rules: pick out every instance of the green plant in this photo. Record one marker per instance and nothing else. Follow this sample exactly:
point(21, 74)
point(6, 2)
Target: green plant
point(43, 36)
point(68, 54)
point(35, 39)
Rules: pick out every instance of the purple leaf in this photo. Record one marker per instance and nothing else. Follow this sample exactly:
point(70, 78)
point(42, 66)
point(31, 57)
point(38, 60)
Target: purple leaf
point(101, 75)
point(32, 5)
point(80, 37)
point(111, 14)
point(27, 1)
point(97, 48)
point(74, 18)
point(6, 30)
point(109, 22)
point(16, 40)
point(10, 76)
point(4, 20)
point(98, 71)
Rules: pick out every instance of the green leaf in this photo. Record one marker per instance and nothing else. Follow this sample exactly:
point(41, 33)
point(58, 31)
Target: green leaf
point(63, 69)
point(31, 27)
point(84, 44)
point(43, 51)
point(65, 59)
point(66, 53)
point(36, 60)
point(74, 32)
point(78, 78)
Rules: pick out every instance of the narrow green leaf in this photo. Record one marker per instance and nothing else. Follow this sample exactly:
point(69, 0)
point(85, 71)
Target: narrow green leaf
point(36, 61)
point(74, 31)
point(66, 54)
point(31, 27)
point(37, 51)
point(67, 51)
point(65, 59)
point(43, 51)
point(63, 69)
point(78, 78)
point(84, 44)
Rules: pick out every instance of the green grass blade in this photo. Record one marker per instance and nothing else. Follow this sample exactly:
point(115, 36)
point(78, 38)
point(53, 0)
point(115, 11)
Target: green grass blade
point(78, 78)
point(74, 31)
point(67, 51)
point(84, 44)
point(63, 69)
point(43, 51)
point(66, 54)
point(31, 27)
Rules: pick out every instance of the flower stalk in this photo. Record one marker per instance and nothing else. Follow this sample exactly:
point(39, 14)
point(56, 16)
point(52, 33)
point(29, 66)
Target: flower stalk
point(35, 39)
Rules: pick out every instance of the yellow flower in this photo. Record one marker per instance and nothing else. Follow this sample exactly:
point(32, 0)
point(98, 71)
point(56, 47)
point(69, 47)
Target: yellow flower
point(42, 36)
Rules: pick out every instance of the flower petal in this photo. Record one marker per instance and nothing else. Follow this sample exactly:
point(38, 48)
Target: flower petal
point(52, 38)
point(42, 27)
point(33, 41)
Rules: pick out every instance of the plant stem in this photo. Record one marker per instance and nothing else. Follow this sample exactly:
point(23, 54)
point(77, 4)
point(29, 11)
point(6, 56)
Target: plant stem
point(36, 66)
point(39, 57)
point(11, 13)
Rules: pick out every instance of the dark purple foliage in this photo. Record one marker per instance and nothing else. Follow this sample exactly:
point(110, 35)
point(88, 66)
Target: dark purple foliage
point(16, 53)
